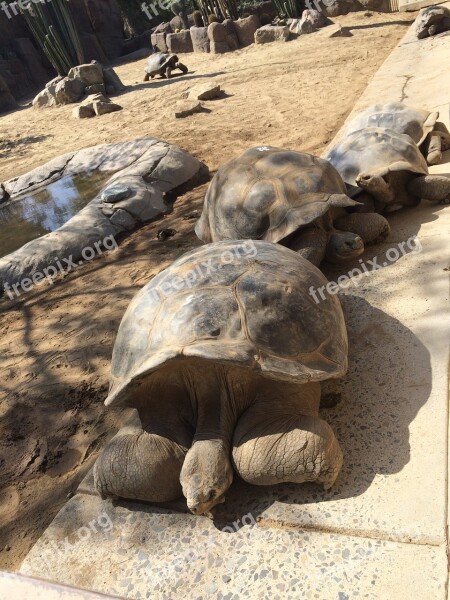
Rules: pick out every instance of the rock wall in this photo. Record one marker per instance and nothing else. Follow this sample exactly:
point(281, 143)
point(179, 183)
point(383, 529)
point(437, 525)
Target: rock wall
point(24, 67)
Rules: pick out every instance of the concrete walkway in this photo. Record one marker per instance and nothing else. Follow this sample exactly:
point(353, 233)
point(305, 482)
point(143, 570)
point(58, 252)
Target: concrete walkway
point(381, 532)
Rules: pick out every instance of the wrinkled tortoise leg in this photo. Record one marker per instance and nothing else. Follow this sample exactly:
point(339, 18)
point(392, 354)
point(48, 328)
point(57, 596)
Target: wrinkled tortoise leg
point(137, 464)
point(372, 228)
point(437, 141)
point(431, 187)
point(182, 67)
point(168, 72)
point(146, 77)
point(310, 243)
point(280, 438)
point(377, 186)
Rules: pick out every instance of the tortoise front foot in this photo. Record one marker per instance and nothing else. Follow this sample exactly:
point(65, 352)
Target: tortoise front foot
point(168, 72)
point(271, 447)
point(139, 465)
point(182, 68)
point(146, 77)
point(372, 228)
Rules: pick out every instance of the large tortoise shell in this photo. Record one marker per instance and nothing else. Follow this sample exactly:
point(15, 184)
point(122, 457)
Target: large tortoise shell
point(268, 193)
point(243, 303)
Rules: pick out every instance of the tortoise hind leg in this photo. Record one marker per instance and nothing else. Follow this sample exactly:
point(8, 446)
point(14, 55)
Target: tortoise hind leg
point(285, 441)
point(431, 187)
point(372, 228)
point(137, 464)
point(168, 72)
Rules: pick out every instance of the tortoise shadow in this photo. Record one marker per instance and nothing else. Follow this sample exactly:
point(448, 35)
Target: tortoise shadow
point(371, 421)
point(160, 83)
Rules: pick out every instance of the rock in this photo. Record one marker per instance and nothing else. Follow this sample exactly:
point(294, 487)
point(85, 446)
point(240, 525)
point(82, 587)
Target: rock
point(318, 19)
point(336, 30)
point(200, 40)
point(69, 91)
point(159, 42)
point(184, 108)
point(217, 34)
point(103, 108)
point(270, 33)
point(83, 112)
point(95, 98)
point(54, 81)
point(232, 38)
point(116, 193)
point(163, 28)
point(245, 29)
point(45, 98)
point(122, 219)
point(97, 88)
point(207, 91)
point(334, 8)
point(179, 42)
point(301, 27)
point(111, 79)
point(89, 74)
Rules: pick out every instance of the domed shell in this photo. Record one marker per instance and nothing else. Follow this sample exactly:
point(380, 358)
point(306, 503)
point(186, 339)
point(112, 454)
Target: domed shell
point(439, 16)
point(268, 193)
point(376, 151)
point(244, 303)
point(157, 61)
point(398, 117)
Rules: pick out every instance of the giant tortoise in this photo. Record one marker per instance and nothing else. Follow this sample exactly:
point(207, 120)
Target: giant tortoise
point(431, 21)
point(222, 354)
point(389, 166)
point(162, 63)
point(288, 197)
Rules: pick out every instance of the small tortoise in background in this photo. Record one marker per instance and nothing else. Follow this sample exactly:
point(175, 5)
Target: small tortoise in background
point(222, 354)
point(288, 197)
point(389, 167)
point(431, 21)
point(162, 63)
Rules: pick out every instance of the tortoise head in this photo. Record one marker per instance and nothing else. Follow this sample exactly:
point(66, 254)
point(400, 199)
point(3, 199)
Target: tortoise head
point(343, 245)
point(206, 475)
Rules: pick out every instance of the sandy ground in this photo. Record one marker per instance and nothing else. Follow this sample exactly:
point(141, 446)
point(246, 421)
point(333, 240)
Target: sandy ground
point(56, 344)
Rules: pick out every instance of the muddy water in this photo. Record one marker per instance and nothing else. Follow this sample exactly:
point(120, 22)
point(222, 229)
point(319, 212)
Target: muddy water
point(30, 216)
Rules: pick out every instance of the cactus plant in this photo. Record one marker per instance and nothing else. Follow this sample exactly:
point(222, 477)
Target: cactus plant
point(223, 9)
point(53, 28)
point(286, 8)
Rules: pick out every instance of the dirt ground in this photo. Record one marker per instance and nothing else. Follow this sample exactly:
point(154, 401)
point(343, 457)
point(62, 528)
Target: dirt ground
point(56, 344)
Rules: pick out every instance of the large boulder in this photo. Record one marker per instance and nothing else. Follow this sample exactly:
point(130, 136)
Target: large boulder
point(69, 91)
point(46, 98)
point(200, 40)
point(334, 8)
point(271, 33)
point(217, 34)
point(245, 29)
point(179, 42)
point(159, 42)
point(232, 38)
point(89, 74)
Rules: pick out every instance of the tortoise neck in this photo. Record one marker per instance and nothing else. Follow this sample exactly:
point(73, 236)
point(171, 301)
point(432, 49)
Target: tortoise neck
point(218, 395)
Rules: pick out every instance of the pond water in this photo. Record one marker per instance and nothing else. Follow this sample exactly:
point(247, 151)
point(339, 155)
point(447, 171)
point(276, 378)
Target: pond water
point(32, 215)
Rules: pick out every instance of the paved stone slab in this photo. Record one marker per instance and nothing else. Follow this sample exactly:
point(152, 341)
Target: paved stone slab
point(138, 552)
point(25, 588)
